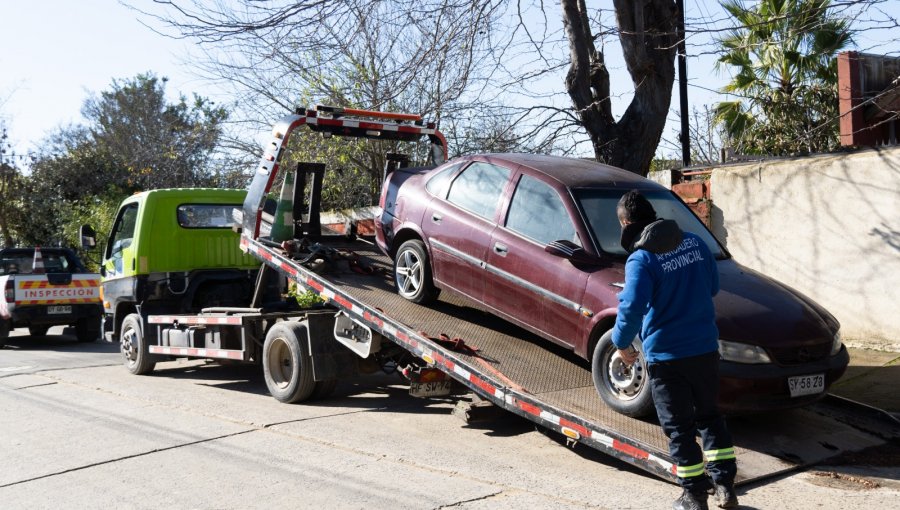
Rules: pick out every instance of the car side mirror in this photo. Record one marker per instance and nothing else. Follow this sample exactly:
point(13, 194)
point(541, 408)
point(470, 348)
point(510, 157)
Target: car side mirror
point(88, 237)
point(571, 251)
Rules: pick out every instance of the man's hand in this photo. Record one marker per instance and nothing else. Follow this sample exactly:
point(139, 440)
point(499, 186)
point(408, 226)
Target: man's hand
point(628, 355)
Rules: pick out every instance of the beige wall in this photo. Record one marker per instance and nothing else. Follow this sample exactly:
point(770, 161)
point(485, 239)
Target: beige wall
point(829, 226)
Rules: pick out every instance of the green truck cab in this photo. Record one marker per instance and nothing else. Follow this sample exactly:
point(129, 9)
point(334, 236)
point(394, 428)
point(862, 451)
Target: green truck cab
point(174, 251)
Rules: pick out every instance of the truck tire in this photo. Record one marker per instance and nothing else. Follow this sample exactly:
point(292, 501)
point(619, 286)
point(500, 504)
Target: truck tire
point(287, 365)
point(412, 273)
point(5, 328)
point(87, 329)
point(38, 330)
point(134, 346)
point(625, 389)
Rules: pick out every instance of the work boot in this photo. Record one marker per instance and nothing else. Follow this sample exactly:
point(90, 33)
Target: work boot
point(725, 496)
point(691, 501)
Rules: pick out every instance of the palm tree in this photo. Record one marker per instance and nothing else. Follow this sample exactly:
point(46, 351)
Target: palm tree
point(786, 76)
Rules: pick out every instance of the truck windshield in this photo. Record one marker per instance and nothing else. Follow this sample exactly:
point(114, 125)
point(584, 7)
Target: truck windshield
point(599, 208)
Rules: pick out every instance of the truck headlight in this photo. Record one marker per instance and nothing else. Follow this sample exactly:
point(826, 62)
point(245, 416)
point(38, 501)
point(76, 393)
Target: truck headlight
point(742, 353)
point(836, 343)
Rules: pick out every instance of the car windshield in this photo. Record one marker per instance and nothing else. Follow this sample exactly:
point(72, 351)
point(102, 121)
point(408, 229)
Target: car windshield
point(599, 208)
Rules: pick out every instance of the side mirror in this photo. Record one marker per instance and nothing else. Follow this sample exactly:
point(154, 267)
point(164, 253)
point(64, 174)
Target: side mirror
point(88, 237)
point(571, 251)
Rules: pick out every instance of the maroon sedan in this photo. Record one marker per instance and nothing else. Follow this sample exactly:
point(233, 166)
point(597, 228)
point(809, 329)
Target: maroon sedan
point(535, 239)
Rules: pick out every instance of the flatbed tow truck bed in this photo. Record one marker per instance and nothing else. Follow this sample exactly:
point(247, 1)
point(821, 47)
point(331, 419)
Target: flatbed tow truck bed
point(533, 378)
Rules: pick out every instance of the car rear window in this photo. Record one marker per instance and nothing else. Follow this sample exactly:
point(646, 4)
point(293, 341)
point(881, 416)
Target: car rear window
point(599, 208)
point(22, 262)
point(206, 215)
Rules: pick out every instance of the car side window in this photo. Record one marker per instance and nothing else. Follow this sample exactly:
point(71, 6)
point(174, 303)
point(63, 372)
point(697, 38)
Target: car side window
point(537, 212)
point(440, 182)
point(478, 188)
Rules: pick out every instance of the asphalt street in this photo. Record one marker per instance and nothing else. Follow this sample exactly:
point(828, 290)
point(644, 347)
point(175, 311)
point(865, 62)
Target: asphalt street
point(78, 431)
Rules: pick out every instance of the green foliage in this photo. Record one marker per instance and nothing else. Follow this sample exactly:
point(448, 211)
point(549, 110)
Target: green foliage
point(98, 212)
point(11, 202)
point(305, 298)
point(783, 57)
point(134, 140)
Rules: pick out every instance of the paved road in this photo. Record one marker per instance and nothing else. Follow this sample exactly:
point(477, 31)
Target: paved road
point(78, 431)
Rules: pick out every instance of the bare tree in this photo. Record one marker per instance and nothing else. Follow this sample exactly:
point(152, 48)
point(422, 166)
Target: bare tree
point(647, 31)
point(462, 63)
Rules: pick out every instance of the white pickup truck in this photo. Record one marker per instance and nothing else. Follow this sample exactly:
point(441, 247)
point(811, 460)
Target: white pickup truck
point(62, 292)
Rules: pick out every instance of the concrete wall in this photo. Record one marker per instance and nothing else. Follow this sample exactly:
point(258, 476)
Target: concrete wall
point(828, 226)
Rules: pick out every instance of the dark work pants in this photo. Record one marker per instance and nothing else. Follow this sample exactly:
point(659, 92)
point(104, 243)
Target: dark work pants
point(685, 392)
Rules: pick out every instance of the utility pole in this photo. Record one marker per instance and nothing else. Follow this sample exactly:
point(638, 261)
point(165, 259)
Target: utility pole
point(682, 87)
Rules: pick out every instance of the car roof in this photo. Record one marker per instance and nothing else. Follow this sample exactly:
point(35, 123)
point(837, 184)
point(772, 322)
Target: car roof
point(574, 172)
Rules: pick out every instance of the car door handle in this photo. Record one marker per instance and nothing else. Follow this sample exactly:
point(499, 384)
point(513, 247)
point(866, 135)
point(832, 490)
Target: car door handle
point(436, 218)
point(501, 249)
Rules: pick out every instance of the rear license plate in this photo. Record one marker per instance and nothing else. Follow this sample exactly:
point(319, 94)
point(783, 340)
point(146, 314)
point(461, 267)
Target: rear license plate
point(430, 389)
point(806, 384)
point(59, 309)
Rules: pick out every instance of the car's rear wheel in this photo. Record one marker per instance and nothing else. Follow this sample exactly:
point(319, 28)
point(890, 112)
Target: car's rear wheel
point(38, 330)
point(412, 273)
point(626, 389)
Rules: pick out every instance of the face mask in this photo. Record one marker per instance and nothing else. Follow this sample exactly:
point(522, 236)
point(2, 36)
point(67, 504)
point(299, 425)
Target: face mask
point(630, 234)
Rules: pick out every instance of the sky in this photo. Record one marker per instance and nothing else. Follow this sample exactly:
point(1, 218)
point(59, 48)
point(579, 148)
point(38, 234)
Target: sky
point(55, 53)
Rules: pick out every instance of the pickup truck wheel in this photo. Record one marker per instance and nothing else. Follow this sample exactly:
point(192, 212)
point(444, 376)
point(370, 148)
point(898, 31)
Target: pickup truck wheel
point(87, 329)
point(412, 273)
point(134, 346)
point(5, 328)
point(38, 330)
point(287, 365)
point(625, 389)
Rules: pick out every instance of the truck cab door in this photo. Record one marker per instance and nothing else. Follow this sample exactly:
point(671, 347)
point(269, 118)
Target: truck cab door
point(119, 258)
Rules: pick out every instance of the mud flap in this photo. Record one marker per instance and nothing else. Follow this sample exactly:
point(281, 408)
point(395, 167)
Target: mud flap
point(330, 359)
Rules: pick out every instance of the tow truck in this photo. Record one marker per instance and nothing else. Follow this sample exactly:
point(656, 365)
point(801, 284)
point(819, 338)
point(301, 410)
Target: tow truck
point(305, 352)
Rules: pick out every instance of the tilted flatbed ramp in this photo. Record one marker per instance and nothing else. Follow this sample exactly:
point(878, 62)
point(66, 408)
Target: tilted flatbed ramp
point(535, 379)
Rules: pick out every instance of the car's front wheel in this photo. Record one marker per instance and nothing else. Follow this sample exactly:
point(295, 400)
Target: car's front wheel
point(626, 389)
point(412, 273)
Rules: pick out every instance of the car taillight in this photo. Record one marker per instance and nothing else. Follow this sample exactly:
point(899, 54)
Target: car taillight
point(10, 292)
point(384, 192)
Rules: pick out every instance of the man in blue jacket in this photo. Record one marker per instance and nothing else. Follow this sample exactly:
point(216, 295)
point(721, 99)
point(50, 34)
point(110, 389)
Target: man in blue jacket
point(670, 279)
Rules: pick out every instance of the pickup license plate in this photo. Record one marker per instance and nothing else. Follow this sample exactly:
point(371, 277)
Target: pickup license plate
point(806, 384)
point(430, 389)
point(58, 309)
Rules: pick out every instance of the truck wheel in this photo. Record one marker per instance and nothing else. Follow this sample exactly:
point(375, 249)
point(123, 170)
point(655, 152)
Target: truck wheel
point(5, 328)
point(412, 273)
point(87, 329)
point(287, 365)
point(625, 389)
point(38, 330)
point(134, 346)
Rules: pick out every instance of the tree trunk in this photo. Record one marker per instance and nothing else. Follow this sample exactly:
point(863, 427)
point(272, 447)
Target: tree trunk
point(648, 35)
